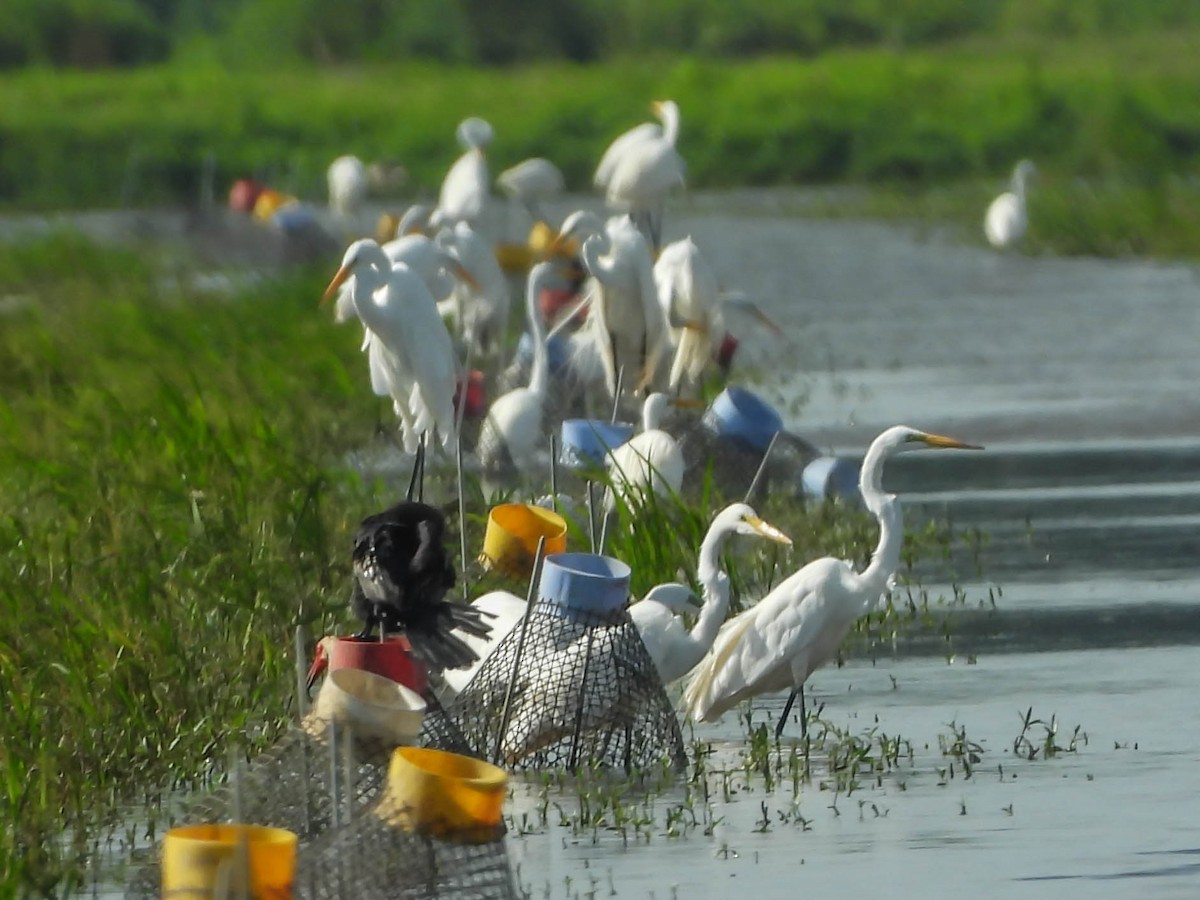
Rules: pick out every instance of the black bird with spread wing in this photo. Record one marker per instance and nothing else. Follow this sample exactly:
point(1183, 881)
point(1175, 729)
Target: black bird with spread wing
point(402, 572)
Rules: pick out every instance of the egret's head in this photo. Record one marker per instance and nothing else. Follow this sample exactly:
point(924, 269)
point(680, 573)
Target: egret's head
point(742, 519)
point(901, 437)
point(475, 133)
point(362, 252)
point(581, 224)
point(414, 221)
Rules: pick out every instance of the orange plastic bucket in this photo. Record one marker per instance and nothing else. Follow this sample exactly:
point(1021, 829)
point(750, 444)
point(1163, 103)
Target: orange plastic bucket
point(199, 859)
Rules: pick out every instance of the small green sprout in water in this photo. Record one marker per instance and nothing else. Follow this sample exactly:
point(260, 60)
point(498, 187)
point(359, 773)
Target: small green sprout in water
point(1030, 742)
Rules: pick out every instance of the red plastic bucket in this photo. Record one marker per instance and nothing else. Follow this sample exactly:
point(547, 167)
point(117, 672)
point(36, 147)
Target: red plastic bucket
point(476, 396)
point(392, 658)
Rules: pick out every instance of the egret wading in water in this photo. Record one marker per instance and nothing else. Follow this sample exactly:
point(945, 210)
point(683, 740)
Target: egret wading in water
point(402, 572)
point(1007, 219)
point(659, 615)
point(410, 354)
point(512, 429)
point(786, 636)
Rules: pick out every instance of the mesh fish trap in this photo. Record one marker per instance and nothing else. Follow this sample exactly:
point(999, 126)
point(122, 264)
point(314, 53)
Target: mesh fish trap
point(585, 693)
point(372, 858)
point(309, 782)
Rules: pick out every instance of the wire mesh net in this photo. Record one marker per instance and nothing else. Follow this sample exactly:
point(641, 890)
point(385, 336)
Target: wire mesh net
point(585, 694)
point(313, 781)
point(373, 858)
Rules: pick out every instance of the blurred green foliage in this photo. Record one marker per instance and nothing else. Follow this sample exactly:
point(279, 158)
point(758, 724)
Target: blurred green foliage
point(95, 33)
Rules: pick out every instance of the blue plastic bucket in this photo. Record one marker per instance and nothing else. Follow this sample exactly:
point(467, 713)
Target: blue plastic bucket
point(831, 476)
point(586, 442)
point(294, 218)
point(584, 584)
point(556, 349)
point(739, 414)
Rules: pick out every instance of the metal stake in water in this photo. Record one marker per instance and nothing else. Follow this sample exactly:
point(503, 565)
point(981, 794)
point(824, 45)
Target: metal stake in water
point(591, 508)
point(617, 395)
point(335, 794)
point(582, 687)
point(534, 580)
point(554, 472)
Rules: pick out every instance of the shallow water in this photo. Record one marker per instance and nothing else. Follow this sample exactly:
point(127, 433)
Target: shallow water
point(1079, 376)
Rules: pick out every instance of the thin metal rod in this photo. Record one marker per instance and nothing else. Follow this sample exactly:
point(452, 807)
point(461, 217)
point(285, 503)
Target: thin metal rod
point(235, 770)
point(617, 395)
point(298, 647)
point(534, 580)
point(335, 794)
point(348, 779)
point(582, 689)
point(762, 467)
point(421, 480)
point(604, 523)
point(462, 516)
point(591, 508)
point(554, 472)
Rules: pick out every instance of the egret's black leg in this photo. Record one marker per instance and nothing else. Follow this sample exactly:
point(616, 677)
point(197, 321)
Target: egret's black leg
point(787, 708)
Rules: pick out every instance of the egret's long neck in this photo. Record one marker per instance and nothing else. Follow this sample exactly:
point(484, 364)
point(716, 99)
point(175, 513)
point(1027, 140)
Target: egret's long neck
point(886, 508)
point(670, 120)
point(1019, 186)
point(539, 371)
point(651, 416)
point(714, 588)
point(367, 280)
point(593, 251)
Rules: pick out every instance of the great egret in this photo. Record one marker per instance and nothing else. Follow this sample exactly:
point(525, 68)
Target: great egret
point(644, 169)
point(625, 316)
point(409, 350)
point(652, 459)
point(780, 641)
point(659, 615)
point(402, 572)
point(512, 429)
point(481, 298)
point(347, 178)
point(465, 189)
point(531, 183)
point(1006, 218)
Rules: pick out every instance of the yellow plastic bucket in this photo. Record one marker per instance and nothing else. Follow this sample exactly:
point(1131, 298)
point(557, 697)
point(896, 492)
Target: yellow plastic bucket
point(444, 794)
point(270, 202)
point(203, 861)
point(511, 539)
point(515, 259)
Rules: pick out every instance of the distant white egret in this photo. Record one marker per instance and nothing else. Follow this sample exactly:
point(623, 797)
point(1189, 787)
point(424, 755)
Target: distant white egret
point(481, 300)
point(786, 636)
point(659, 616)
point(409, 349)
point(513, 427)
point(1006, 218)
point(641, 168)
point(629, 327)
point(466, 188)
point(347, 178)
point(650, 461)
point(531, 183)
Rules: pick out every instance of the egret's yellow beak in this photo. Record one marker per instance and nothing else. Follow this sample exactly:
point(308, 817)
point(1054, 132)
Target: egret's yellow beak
point(938, 440)
point(342, 274)
point(769, 531)
point(656, 106)
point(562, 245)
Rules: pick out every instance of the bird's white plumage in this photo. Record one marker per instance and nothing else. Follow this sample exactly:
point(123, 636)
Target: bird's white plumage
point(629, 328)
point(532, 181)
point(506, 611)
point(409, 349)
point(621, 145)
point(347, 182)
point(799, 625)
point(482, 308)
point(690, 296)
point(465, 190)
point(1006, 219)
point(512, 429)
point(659, 616)
point(645, 171)
point(651, 460)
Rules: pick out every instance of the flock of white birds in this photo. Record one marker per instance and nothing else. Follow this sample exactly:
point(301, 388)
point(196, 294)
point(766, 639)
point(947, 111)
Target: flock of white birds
point(654, 316)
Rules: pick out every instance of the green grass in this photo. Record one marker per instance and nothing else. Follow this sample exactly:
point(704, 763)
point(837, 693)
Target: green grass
point(174, 504)
point(1113, 122)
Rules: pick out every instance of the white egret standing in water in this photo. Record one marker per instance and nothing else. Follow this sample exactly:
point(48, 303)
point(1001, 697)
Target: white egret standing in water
point(659, 615)
point(786, 636)
point(1006, 218)
point(466, 188)
point(347, 180)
